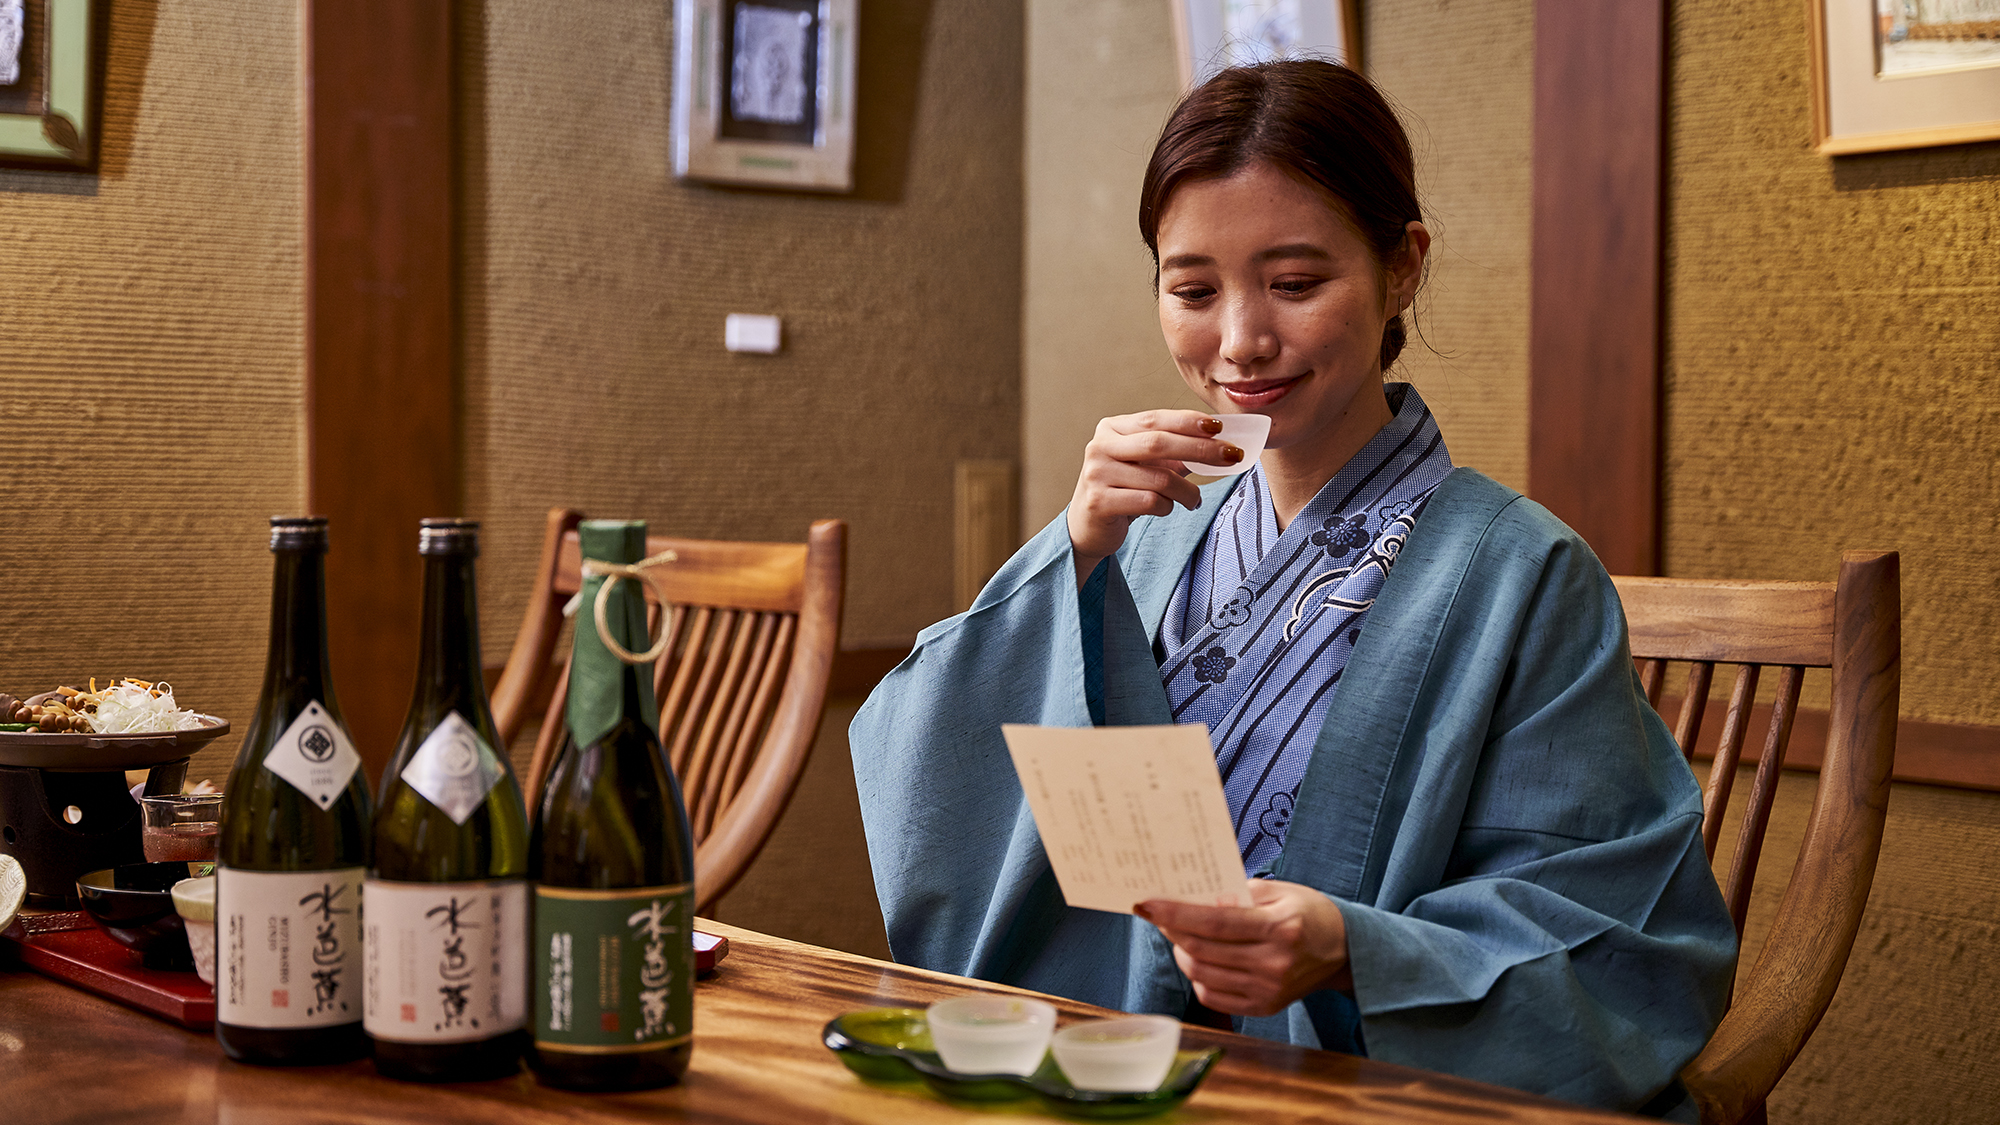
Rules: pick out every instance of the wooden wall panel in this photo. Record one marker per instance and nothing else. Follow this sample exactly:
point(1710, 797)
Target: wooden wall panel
point(381, 444)
point(1594, 316)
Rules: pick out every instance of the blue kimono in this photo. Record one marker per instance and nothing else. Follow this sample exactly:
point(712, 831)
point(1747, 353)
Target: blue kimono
point(1508, 830)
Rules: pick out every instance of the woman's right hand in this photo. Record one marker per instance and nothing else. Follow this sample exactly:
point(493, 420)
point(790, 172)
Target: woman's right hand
point(1136, 465)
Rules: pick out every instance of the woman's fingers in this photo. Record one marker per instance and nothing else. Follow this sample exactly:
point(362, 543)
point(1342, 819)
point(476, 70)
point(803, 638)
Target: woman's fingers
point(1135, 466)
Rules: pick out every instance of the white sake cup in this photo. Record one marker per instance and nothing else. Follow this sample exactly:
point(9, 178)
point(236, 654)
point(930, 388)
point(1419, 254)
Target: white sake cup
point(1246, 432)
point(1128, 1055)
point(991, 1034)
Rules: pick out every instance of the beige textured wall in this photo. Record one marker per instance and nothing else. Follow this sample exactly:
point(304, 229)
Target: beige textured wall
point(1461, 76)
point(595, 286)
point(1833, 342)
point(1832, 351)
point(594, 291)
point(150, 384)
point(1101, 81)
point(1907, 1039)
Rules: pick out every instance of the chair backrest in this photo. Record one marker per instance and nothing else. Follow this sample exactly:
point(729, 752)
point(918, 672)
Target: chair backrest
point(1853, 627)
point(751, 631)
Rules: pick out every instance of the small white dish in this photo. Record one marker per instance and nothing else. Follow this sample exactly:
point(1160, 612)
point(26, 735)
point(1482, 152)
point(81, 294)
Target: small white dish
point(991, 1034)
point(1247, 432)
point(1128, 1055)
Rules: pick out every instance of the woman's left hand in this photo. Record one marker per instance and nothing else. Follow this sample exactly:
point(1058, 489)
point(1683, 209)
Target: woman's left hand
point(1255, 960)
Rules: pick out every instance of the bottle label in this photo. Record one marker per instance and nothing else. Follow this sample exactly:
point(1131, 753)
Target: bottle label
point(314, 755)
point(454, 769)
point(446, 962)
point(614, 969)
point(290, 947)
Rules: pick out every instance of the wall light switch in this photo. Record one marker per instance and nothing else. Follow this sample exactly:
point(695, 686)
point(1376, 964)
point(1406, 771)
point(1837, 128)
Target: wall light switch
point(750, 332)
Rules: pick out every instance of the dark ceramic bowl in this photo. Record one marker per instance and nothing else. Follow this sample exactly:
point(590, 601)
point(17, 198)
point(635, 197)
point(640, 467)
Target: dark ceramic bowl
point(135, 905)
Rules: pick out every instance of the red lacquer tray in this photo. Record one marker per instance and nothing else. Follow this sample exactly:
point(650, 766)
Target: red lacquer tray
point(70, 948)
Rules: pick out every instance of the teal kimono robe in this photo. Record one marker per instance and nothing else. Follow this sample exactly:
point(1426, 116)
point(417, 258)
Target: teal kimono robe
point(1507, 828)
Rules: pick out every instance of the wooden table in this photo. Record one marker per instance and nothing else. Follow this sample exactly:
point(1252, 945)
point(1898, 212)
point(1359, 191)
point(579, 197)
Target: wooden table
point(68, 1056)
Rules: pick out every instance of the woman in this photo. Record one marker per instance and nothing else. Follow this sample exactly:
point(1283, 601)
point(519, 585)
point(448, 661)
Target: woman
point(1474, 846)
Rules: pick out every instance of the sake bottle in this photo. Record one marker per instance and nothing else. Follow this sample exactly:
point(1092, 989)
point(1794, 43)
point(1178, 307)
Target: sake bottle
point(612, 861)
point(447, 925)
point(294, 841)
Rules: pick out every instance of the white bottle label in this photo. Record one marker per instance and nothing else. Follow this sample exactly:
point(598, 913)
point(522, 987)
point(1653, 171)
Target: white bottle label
point(447, 962)
point(290, 947)
point(454, 768)
point(315, 755)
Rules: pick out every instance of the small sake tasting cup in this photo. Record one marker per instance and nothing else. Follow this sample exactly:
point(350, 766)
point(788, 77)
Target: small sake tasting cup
point(194, 901)
point(1247, 432)
point(1127, 1055)
point(991, 1034)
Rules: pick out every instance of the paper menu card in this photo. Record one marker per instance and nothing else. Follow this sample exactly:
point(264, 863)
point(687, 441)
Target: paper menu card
point(1128, 814)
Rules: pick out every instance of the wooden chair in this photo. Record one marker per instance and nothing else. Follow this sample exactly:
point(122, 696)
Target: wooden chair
point(1853, 627)
point(741, 685)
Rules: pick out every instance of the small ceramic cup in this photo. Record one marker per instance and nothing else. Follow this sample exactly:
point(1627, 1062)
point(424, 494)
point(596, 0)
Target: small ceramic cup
point(991, 1034)
point(1247, 432)
point(194, 901)
point(1127, 1055)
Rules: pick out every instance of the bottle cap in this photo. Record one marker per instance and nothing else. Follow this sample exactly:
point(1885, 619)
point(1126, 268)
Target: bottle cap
point(298, 533)
point(447, 536)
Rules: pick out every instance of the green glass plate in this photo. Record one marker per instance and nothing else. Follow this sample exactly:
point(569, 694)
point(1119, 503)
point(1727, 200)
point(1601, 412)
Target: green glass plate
point(894, 1045)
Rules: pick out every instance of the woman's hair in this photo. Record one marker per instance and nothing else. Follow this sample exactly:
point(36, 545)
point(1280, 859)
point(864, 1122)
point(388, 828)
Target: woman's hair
point(1317, 121)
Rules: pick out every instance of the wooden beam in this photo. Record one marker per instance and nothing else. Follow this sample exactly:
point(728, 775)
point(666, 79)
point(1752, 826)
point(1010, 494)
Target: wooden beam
point(1594, 306)
point(1959, 755)
point(381, 431)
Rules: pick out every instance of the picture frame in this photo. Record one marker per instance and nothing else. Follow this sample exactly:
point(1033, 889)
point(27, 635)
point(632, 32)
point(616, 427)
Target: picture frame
point(1212, 34)
point(1894, 74)
point(764, 92)
point(51, 104)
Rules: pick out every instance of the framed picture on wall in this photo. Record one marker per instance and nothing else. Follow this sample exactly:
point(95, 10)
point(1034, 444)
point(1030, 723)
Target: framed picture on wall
point(1904, 73)
point(764, 92)
point(1213, 34)
point(51, 82)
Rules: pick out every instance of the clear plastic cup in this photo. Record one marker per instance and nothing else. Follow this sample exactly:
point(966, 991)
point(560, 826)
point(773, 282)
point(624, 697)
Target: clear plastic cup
point(180, 828)
point(1247, 432)
point(991, 1034)
point(1129, 1055)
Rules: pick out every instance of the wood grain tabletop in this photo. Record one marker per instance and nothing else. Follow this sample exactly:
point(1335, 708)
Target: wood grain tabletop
point(68, 1056)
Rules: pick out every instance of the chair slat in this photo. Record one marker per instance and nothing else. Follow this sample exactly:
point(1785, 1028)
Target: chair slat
point(732, 749)
point(714, 743)
point(1652, 675)
point(1757, 816)
point(1730, 622)
point(1728, 751)
point(749, 737)
point(1693, 702)
point(690, 734)
point(677, 699)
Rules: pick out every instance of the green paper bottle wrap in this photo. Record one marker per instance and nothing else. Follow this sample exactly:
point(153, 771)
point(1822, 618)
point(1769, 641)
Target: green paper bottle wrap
point(596, 697)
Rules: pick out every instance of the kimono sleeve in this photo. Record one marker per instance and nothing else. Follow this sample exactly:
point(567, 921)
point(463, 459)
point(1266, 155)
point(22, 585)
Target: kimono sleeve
point(1548, 919)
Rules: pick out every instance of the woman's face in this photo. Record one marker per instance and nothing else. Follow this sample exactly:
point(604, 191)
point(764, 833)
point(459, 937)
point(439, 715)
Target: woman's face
point(1272, 304)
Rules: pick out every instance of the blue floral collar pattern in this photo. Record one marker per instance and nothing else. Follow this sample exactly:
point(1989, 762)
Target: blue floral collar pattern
point(1262, 622)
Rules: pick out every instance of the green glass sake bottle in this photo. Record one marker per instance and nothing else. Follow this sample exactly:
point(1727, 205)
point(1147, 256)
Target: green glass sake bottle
point(446, 933)
point(293, 847)
point(612, 862)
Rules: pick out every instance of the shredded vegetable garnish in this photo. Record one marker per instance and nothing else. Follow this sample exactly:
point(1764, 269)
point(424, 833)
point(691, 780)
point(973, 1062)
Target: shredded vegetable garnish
point(137, 707)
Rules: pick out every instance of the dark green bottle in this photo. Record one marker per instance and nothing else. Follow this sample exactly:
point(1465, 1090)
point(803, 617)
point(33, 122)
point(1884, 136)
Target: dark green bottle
point(612, 861)
point(294, 842)
point(447, 923)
